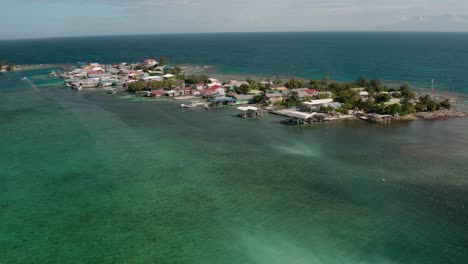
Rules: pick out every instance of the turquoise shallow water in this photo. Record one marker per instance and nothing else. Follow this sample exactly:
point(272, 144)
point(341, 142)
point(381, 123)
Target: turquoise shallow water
point(92, 178)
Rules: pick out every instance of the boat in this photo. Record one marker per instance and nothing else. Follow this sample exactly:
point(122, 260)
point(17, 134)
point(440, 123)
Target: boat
point(193, 104)
point(24, 78)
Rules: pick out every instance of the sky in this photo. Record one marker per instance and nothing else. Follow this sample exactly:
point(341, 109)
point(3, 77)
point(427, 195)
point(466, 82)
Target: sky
point(60, 18)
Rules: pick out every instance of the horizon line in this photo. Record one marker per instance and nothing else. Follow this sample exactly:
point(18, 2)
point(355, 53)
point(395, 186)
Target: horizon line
point(232, 32)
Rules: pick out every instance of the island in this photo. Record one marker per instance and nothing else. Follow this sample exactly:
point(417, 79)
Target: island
point(302, 101)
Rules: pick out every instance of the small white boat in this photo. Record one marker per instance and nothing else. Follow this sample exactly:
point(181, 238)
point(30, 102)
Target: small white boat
point(24, 78)
point(193, 104)
point(186, 106)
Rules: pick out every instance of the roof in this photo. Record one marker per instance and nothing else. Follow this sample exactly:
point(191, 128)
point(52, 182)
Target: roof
point(159, 92)
point(326, 92)
point(95, 72)
point(302, 94)
point(318, 102)
point(273, 95)
point(335, 105)
point(363, 93)
point(223, 99)
point(310, 91)
point(168, 75)
point(247, 108)
point(152, 78)
point(300, 115)
point(253, 91)
point(299, 89)
point(212, 89)
point(243, 96)
point(282, 88)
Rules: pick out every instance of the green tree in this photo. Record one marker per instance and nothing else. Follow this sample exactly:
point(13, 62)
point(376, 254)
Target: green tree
point(174, 70)
point(362, 81)
point(137, 86)
point(349, 97)
point(326, 109)
point(368, 106)
point(445, 104)
point(406, 92)
point(257, 99)
point(242, 89)
point(294, 99)
point(382, 97)
point(375, 84)
point(277, 82)
point(254, 85)
point(393, 109)
point(407, 107)
point(294, 84)
point(314, 84)
point(336, 87)
point(324, 81)
point(194, 79)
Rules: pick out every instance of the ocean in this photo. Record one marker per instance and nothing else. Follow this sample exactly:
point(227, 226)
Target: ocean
point(88, 177)
point(416, 58)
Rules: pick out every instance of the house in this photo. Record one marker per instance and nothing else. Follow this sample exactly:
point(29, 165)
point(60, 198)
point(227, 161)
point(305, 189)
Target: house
point(213, 80)
point(314, 105)
point(272, 98)
point(171, 93)
point(311, 91)
point(186, 90)
point(364, 94)
point(213, 90)
point(254, 92)
point(152, 78)
point(199, 86)
point(168, 76)
point(235, 83)
point(157, 93)
point(243, 98)
point(96, 74)
point(134, 74)
point(150, 62)
point(280, 88)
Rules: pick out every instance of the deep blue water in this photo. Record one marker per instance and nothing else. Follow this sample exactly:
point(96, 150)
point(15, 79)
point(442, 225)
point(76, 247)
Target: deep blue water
point(416, 58)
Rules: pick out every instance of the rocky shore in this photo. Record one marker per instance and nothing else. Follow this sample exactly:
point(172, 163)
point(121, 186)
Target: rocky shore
point(441, 114)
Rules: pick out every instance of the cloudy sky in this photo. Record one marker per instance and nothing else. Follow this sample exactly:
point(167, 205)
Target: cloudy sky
point(56, 18)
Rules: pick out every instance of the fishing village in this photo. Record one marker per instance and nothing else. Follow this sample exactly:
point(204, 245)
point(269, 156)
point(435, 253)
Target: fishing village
point(299, 101)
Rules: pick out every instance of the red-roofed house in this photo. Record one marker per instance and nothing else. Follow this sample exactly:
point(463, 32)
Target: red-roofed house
point(311, 91)
point(95, 74)
point(214, 90)
point(199, 86)
point(150, 62)
point(158, 93)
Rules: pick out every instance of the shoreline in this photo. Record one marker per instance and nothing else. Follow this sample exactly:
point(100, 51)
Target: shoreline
point(212, 71)
point(192, 69)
